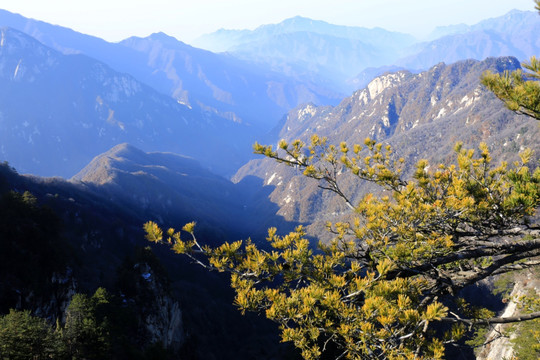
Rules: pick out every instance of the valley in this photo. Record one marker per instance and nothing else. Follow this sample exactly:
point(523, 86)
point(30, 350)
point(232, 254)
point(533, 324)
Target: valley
point(97, 138)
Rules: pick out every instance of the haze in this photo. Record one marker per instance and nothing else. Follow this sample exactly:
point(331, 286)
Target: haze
point(186, 20)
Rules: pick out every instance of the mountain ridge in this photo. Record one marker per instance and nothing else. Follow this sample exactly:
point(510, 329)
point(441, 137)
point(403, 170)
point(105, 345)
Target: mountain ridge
point(420, 115)
point(300, 23)
point(330, 53)
point(512, 34)
point(93, 109)
point(203, 86)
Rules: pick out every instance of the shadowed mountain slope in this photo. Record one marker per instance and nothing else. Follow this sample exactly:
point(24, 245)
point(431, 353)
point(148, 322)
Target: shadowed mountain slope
point(173, 189)
point(98, 227)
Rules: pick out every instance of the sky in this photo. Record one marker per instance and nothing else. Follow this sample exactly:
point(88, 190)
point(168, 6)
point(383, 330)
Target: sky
point(115, 20)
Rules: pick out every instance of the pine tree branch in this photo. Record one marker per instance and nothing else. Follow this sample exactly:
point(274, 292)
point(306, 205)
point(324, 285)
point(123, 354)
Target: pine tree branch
point(497, 320)
point(498, 266)
point(521, 250)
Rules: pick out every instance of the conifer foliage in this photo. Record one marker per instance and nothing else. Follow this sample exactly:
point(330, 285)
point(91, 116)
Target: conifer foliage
point(389, 281)
point(520, 90)
point(388, 286)
point(23, 336)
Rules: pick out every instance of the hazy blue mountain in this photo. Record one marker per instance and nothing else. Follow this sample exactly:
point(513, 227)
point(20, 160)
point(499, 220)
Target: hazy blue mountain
point(219, 84)
point(514, 34)
point(515, 20)
point(311, 49)
point(339, 55)
point(59, 111)
point(226, 40)
point(512, 22)
point(441, 31)
point(318, 57)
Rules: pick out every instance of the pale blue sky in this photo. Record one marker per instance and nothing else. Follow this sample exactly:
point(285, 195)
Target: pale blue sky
point(115, 20)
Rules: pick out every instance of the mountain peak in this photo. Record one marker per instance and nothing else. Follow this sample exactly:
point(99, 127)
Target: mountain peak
point(15, 46)
point(300, 19)
point(299, 23)
point(99, 169)
point(386, 81)
point(161, 36)
point(158, 37)
point(123, 150)
point(517, 12)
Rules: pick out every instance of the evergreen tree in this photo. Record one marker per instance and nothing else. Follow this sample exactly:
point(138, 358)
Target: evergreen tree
point(388, 286)
point(29, 234)
point(23, 336)
point(86, 332)
point(520, 90)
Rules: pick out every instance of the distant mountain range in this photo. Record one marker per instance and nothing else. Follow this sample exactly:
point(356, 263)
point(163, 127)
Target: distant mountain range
point(236, 90)
point(226, 40)
point(205, 105)
point(338, 54)
point(511, 23)
point(280, 66)
point(59, 111)
point(312, 49)
point(514, 34)
point(231, 88)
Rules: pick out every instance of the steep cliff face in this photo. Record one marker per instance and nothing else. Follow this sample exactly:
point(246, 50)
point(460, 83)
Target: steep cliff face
point(53, 306)
point(55, 246)
point(401, 102)
point(500, 341)
point(162, 317)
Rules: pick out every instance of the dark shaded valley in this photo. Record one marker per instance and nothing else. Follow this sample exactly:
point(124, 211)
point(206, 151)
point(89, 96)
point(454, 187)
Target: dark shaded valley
point(98, 138)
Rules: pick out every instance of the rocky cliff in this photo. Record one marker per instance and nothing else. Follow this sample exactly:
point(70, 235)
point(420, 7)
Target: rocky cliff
point(421, 115)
